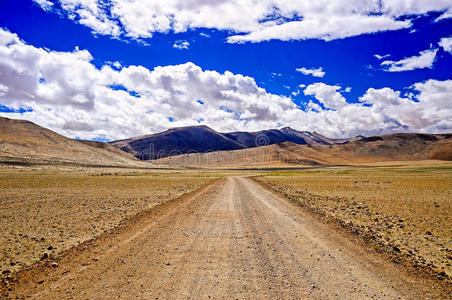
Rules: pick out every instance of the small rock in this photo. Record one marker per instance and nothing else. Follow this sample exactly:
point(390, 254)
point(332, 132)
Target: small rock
point(443, 274)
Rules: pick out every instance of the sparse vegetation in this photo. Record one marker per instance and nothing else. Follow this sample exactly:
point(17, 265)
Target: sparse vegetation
point(404, 211)
point(43, 212)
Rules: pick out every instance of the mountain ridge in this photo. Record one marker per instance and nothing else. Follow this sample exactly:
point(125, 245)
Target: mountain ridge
point(168, 143)
point(386, 148)
point(25, 142)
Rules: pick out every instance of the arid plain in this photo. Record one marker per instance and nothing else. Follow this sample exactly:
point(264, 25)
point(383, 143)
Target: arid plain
point(56, 220)
point(360, 218)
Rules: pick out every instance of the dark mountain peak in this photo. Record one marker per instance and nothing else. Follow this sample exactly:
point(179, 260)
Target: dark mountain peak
point(287, 128)
point(201, 139)
point(187, 128)
point(176, 141)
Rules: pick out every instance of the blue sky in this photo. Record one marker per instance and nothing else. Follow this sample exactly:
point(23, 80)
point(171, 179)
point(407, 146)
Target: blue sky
point(349, 65)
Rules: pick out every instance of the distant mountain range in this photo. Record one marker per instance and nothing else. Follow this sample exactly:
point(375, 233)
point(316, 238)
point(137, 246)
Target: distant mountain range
point(202, 139)
point(23, 142)
point(400, 147)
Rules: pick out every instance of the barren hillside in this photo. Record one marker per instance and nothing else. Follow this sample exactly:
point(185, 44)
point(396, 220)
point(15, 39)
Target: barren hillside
point(394, 147)
point(24, 142)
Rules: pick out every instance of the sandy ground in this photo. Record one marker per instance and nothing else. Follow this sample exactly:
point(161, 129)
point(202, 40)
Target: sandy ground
point(232, 239)
point(45, 212)
point(405, 213)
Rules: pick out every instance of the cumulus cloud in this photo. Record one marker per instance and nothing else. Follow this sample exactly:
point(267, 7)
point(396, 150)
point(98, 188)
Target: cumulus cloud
point(381, 97)
point(247, 20)
point(446, 44)
point(430, 113)
point(425, 59)
point(66, 92)
point(69, 94)
point(314, 72)
point(328, 95)
point(181, 45)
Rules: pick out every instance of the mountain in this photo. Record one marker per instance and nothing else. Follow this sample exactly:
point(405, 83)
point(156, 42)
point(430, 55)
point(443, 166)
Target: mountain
point(393, 147)
point(177, 141)
point(25, 142)
point(202, 139)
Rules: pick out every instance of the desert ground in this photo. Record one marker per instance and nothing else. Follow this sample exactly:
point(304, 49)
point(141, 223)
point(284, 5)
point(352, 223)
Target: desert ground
point(379, 232)
point(404, 211)
point(44, 212)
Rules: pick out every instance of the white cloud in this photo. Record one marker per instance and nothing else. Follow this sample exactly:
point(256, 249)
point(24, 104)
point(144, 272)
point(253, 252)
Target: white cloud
point(322, 27)
point(3, 90)
point(117, 65)
point(328, 95)
point(248, 20)
point(70, 95)
point(446, 44)
point(45, 4)
point(444, 16)
point(431, 113)
point(380, 57)
point(381, 97)
point(314, 72)
point(181, 45)
point(425, 59)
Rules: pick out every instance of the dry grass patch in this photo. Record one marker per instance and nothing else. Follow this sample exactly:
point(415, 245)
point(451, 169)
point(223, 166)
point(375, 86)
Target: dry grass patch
point(45, 212)
point(404, 211)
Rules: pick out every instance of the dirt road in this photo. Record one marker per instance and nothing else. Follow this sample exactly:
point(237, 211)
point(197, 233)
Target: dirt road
point(233, 239)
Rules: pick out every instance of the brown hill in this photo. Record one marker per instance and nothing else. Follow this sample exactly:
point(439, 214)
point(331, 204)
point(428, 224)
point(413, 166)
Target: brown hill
point(442, 150)
point(202, 139)
point(25, 142)
point(385, 148)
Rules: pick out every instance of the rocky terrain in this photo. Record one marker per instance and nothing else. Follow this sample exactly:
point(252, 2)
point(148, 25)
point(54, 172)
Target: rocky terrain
point(231, 239)
point(406, 213)
point(45, 212)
